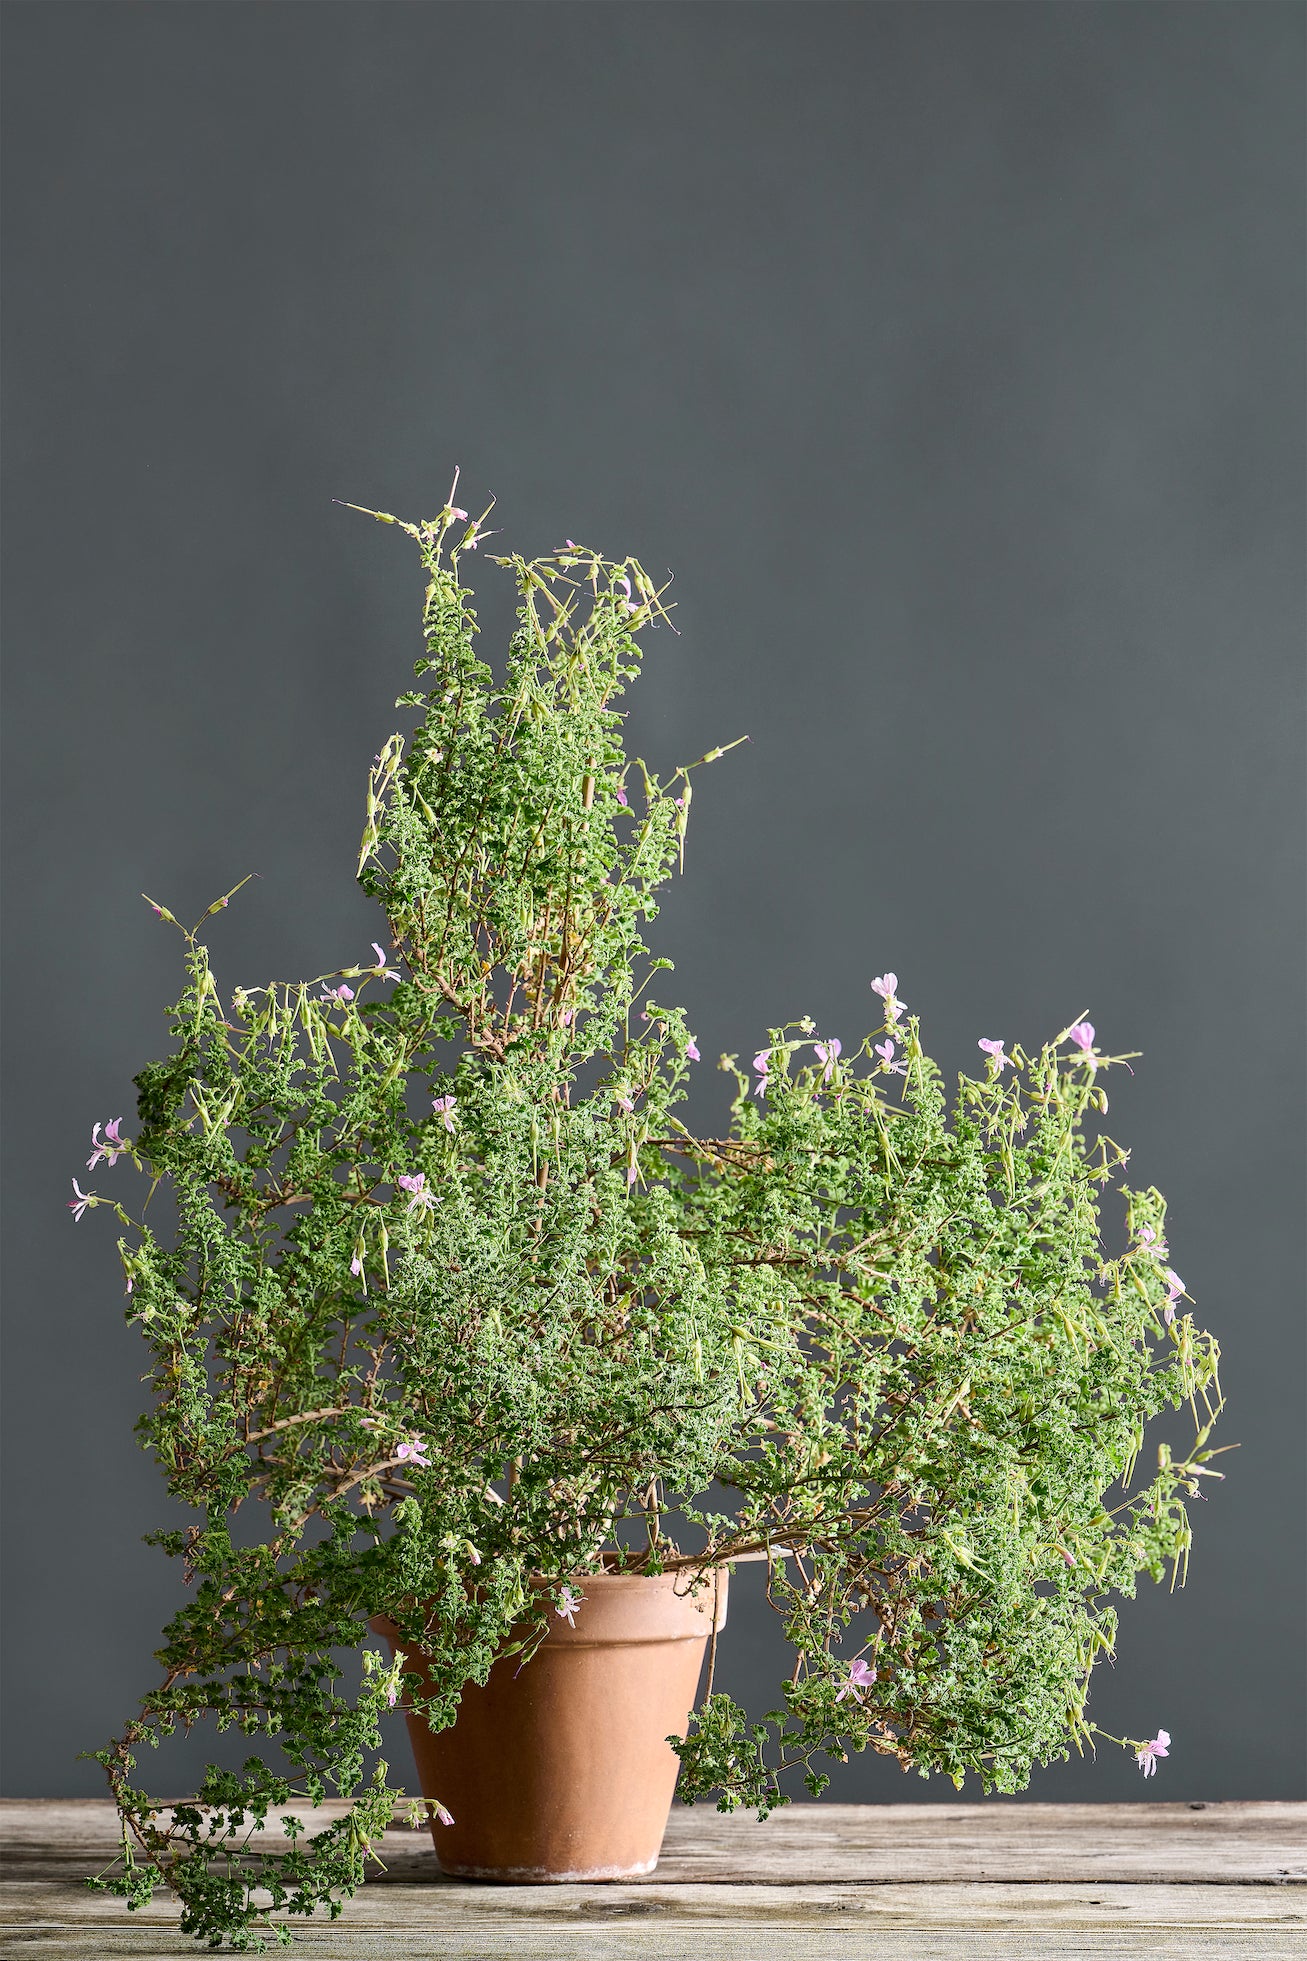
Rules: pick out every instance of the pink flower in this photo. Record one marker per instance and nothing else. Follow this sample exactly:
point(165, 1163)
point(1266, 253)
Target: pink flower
point(628, 605)
point(827, 1052)
point(445, 1817)
point(625, 1103)
point(566, 1017)
point(621, 798)
point(340, 994)
point(861, 1676)
point(995, 1050)
point(762, 1063)
point(631, 1174)
point(79, 1204)
point(413, 1451)
point(443, 1107)
point(1083, 1036)
point(885, 1050)
point(884, 985)
point(1146, 1756)
point(110, 1148)
point(392, 1695)
point(1174, 1289)
point(356, 1268)
point(454, 511)
point(1150, 1243)
point(691, 1051)
point(381, 970)
point(416, 1184)
point(568, 1602)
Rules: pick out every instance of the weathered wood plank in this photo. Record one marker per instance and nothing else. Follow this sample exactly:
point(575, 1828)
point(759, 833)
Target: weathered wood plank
point(1148, 1844)
point(569, 1910)
point(996, 1882)
point(847, 1944)
point(958, 1924)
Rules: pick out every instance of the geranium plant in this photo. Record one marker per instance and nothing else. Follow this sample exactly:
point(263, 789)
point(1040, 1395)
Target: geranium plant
point(455, 1307)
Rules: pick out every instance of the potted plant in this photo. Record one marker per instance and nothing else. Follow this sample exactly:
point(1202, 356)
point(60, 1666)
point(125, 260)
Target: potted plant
point(462, 1334)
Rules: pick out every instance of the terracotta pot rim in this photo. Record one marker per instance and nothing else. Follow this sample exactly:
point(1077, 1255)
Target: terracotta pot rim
point(711, 1591)
point(382, 1624)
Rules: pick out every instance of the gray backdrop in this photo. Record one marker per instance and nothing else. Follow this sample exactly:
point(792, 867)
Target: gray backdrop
point(949, 355)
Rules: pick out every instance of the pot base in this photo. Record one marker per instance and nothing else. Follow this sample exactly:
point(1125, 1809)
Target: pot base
point(546, 1875)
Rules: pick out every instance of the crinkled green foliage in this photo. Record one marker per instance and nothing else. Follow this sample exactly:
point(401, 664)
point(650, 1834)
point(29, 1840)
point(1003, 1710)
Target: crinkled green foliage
point(869, 1337)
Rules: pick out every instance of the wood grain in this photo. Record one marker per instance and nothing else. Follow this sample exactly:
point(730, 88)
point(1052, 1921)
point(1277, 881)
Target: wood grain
point(988, 1882)
point(1024, 1929)
point(1140, 1844)
point(574, 1908)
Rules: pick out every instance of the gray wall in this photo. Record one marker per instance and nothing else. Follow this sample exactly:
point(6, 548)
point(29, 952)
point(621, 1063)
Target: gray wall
point(951, 357)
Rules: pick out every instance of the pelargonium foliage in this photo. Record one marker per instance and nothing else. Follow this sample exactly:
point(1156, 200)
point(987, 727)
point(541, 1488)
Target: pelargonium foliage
point(456, 1307)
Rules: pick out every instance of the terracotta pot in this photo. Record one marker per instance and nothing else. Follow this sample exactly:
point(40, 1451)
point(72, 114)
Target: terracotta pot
point(558, 1768)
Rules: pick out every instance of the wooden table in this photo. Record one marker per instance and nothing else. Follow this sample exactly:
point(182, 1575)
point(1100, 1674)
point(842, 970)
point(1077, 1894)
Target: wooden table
point(898, 1882)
